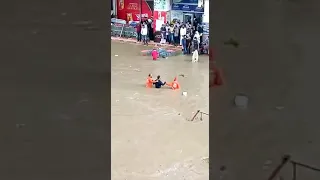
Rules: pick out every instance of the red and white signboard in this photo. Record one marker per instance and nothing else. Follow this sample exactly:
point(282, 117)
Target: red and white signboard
point(129, 10)
point(159, 17)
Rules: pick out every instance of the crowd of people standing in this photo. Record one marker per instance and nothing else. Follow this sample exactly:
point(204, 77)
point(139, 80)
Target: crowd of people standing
point(145, 31)
point(188, 35)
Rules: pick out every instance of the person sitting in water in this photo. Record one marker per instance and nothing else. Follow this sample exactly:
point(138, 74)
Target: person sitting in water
point(154, 54)
point(149, 81)
point(174, 84)
point(158, 83)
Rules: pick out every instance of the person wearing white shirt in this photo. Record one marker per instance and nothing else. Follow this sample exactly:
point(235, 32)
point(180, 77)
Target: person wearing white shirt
point(144, 34)
point(183, 32)
point(197, 35)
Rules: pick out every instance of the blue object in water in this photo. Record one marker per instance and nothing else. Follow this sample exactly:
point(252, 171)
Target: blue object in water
point(163, 53)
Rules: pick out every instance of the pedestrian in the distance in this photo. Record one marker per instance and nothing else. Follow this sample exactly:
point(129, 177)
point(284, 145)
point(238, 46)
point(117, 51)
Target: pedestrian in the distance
point(144, 34)
point(163, 34)
point(139, 32)
point(176, 35)
point(183, 32)
point(184, 44)
point(171, 34)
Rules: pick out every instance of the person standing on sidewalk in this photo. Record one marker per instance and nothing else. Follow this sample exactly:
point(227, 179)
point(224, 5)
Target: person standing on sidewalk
point(144, 34)
point(171, 34)
point(183, 33)
point(163, 30)
point(200, 30)
point(168, 33)
point(184, 44)
point(176, 35)
point(139, 32)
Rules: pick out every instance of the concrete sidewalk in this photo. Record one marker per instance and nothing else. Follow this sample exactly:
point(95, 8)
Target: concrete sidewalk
point(134, 41)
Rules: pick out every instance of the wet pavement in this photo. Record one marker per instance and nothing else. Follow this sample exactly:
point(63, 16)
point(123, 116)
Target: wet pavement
point(151, 137)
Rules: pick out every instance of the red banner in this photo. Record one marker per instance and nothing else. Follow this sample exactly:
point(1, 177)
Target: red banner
point(130, 9)
point(159, 15)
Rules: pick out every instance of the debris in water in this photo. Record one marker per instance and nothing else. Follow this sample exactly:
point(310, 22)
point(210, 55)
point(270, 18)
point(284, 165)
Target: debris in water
point(20, 125)
point(182, 75)
point(241, 101)
point(279, 107)
point(83, 100)
point(223, 168)
point(205, 159)
point(267, 164)
point(82, 23)
point(232, 42)
point(138, 70)
point(91, 28)
point(184, 93)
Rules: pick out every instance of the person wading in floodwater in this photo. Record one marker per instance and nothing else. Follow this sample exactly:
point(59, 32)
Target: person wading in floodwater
point(149, 81)
point(158, 83)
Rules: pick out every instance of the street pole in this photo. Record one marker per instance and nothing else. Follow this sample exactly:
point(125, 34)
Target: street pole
point(140, 11)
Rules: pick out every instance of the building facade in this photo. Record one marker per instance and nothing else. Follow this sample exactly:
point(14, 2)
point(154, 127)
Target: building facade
point(187, 10)
point(205, 19)
point(161, 13)
point(130, 10)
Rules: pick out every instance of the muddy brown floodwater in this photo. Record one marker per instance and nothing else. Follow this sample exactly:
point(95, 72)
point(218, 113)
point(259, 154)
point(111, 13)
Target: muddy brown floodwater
point(151, 137)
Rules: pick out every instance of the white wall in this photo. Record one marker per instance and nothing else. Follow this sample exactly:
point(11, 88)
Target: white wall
point(206, 12)
point(114, 4)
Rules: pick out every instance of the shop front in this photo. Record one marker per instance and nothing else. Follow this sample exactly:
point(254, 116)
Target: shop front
point(160, 13)
point(205, 22)
point(187, 10)
point(130, 10)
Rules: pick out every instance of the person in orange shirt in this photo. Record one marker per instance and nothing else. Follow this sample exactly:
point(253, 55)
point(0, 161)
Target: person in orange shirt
point(149, 81)
point(174, 84)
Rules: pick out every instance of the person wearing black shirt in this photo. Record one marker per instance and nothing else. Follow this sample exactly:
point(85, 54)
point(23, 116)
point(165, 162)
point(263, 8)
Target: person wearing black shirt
point(163, 34)
point(195, 44)
point(188, 41)
point(200, 30)
point(158, 83)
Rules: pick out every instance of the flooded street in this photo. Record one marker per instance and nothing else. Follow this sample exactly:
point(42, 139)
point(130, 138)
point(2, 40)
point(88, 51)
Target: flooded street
point(151, 136)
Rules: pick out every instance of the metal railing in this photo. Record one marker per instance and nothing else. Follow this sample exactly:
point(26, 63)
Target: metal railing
point(198, 113)
point(122, 30)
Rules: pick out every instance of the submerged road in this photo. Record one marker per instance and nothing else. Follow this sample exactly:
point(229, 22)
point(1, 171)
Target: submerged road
point(277, 66)
point(54, 83)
